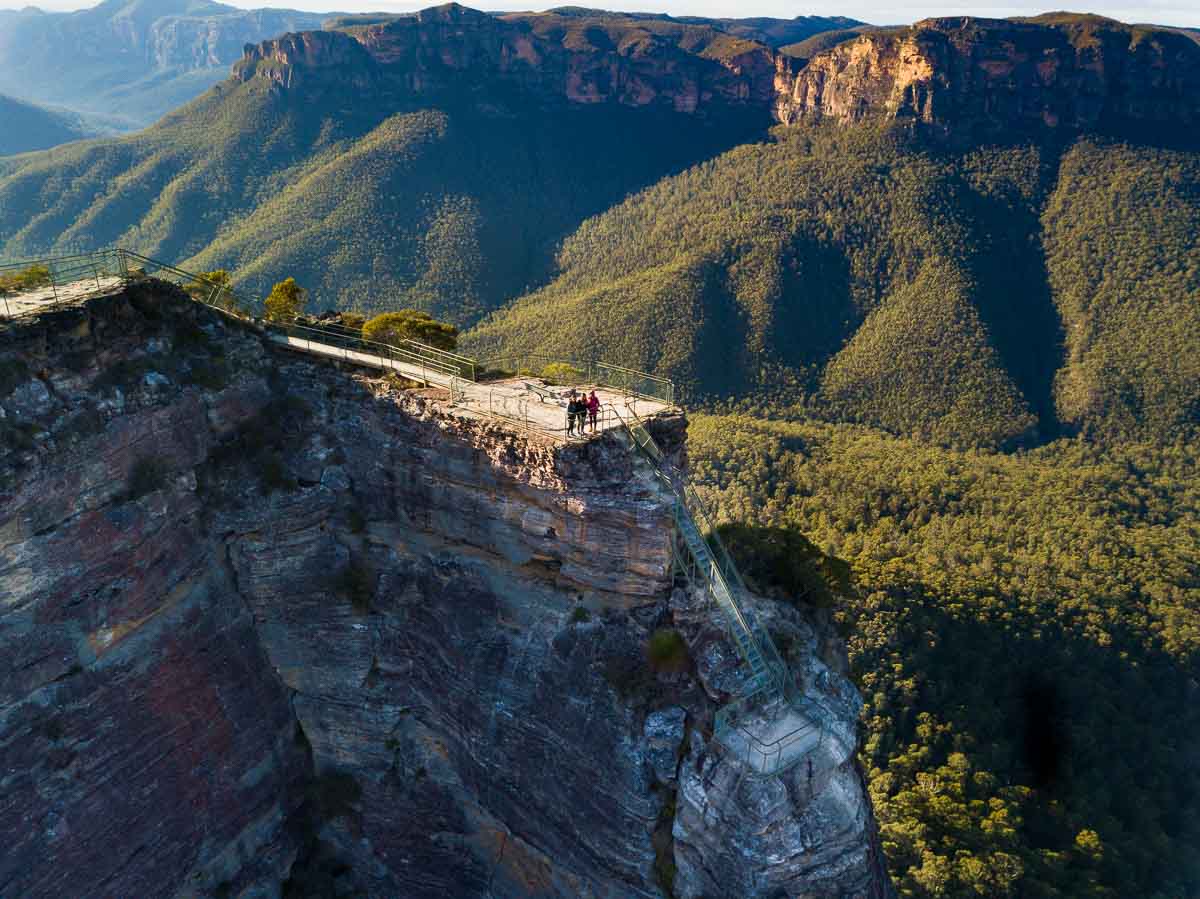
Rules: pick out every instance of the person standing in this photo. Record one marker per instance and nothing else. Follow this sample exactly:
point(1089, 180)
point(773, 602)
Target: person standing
point(593, 409)
point(572, 410)
point(581, 413)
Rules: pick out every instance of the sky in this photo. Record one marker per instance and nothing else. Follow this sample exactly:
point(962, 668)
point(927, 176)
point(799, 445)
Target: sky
point(880, 12)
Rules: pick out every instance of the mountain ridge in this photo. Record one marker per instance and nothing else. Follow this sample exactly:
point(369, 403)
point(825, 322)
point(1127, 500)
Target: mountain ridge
point(131, 61)
point(547, 178)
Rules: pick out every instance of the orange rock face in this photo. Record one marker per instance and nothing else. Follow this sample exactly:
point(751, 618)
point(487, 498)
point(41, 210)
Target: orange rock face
point(1085, 73)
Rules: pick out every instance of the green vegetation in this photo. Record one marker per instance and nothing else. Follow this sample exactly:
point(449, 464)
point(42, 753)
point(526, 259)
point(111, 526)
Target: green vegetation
point(869, 275)
point(783, 563)
point(28, 127)
point(1023, 635)
point(410, 324)
point(562, 373)
point(149, 473)
point(842, 269)
point(668, 651)
point(819, 43)
point(285, 301)
point(371, 198)
point(1124, 265)
point(25, 279)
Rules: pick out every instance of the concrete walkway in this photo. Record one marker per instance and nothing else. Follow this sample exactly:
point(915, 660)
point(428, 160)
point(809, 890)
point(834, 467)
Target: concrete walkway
point(14, 304)
point(511, 399)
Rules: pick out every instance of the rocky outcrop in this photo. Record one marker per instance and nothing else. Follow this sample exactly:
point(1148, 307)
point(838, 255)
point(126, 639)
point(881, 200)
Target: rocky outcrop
point(985, 74)
point(310, 55)
point(967, 74)
point(265, 622)
point(687, 68)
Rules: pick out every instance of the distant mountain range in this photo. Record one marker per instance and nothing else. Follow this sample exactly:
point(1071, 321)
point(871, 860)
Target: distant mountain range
point(130, 61)
point(27, 126)
point(975, 231)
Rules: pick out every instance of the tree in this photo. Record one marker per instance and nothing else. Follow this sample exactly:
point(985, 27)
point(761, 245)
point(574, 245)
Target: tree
point(411, 324)
point(206, 281)
point(286, 301)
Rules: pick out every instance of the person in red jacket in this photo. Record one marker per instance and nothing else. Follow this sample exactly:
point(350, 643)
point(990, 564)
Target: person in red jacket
point(593, 408)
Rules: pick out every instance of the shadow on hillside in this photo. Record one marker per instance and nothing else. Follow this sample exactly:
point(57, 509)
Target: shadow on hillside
point(1015, 303)
point(1097, 731)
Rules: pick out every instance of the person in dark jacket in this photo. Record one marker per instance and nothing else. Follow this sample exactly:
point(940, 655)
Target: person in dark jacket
point(581, 413)
point(572, 414)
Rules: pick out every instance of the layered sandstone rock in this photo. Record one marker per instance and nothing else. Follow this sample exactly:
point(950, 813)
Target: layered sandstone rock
point(968, 75)
point(1082, 72)
point(686, 68)
point(264, 621)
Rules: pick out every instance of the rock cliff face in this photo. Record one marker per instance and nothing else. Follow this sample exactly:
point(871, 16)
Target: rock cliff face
point(131, 60)
point(967, 74)
point(687, 68)
point(265, 622)
point(1080, 73)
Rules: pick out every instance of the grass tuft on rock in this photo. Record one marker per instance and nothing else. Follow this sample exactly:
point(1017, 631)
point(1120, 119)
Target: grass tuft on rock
point(667, 651)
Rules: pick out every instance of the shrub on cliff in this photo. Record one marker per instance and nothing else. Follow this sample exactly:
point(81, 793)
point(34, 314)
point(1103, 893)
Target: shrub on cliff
point(668, 651)
point(410, 324)
point(26, 279)
point(286, 301)
point(562, 373)
point(202, 285)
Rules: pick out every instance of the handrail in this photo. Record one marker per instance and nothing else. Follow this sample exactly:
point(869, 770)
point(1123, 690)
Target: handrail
point(590, 371)
point(381, 350)
point(465, 362)
point(720, 571)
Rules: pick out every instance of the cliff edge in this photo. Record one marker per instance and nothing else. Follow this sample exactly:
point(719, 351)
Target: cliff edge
point(274, 626)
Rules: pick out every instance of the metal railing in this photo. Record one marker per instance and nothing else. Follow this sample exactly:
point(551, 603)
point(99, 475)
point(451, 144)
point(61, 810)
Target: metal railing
point(514, 409)
point(406, 361)
point(134, 267)
point(627, 381)
point(771, 691)
point(463, 366)
point(37, 285)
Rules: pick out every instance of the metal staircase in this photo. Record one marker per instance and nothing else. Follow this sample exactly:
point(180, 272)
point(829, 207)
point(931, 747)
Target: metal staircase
point(770, 726)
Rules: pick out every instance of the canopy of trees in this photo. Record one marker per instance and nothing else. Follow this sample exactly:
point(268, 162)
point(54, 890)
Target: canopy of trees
point(410, 324)
point(286, 301)
point(1025, 632)
point(993, 296)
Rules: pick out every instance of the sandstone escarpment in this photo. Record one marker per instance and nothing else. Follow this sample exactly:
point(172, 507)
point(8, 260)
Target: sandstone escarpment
point(685, 68)
point(266, 621)
point(968, 75)
point(1081, 73)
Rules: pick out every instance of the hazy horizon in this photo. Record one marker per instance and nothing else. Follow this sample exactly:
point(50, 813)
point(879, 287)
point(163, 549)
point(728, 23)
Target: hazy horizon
point(1166, 12)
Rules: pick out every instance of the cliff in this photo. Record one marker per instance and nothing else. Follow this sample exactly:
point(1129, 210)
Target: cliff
point(1068, 72)
point(269, 624)
point(688, 68)
point(966, 74)
point(128, 61)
